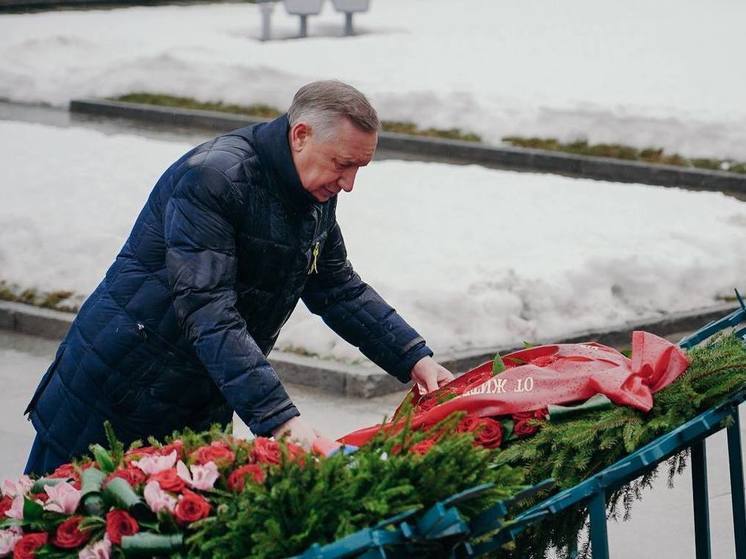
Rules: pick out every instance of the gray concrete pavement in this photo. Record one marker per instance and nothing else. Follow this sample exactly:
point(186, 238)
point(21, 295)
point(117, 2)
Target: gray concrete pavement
point(23, 359)
point(661, 526)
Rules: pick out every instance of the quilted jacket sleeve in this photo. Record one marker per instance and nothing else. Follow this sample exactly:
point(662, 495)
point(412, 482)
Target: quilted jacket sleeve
point(201, 262)
point(356, 312)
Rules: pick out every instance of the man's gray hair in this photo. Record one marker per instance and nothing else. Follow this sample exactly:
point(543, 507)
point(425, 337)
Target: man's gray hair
point(323, 103)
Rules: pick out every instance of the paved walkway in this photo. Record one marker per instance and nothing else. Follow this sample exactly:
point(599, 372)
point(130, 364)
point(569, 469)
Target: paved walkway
point(23, 359)
point(661, 526)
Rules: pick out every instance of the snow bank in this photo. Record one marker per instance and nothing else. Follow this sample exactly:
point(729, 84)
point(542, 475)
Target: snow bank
point(471, 257)
point(638, 72)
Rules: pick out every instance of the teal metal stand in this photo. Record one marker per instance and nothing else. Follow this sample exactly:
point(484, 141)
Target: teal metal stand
point(735, 459)
point(599, 534)
point(701, 506)
point(444, 529)
point(443, 526)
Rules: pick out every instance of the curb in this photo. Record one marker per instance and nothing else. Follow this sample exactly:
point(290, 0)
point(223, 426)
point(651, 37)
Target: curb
point(14, 6)
point(368, 381)
point(329, 376)
point(618, 336)
point(451, 151)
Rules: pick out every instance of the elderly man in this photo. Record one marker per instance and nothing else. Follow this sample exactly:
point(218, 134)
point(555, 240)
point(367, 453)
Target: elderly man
point(232, 235)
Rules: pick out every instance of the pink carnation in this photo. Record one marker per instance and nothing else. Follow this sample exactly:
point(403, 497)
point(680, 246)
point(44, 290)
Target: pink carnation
point(98, 550)
point(157, 499)
point(63, 498)
point(8, 539)
point(21, 486)
point(201, 477)
point(16, 509)
point(153, 464)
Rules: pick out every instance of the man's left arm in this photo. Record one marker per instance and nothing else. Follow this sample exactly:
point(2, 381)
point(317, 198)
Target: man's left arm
point(356, 312)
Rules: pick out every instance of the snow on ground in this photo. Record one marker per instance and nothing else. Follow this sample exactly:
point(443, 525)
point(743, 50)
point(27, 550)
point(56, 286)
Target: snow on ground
point(472, 257)
point(638, 72)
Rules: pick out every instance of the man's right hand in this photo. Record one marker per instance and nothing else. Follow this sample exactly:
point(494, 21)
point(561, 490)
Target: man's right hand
point(297, 431)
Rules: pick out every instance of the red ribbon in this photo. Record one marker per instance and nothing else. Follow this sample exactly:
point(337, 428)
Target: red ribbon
point(551, 374)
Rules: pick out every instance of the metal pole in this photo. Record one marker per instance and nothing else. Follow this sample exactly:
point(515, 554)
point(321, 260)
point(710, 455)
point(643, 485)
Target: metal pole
point(735, 459)
point(348, 24)
point(699, 494)
point(266, 9)
point(572, 550)
point(599, 535)
point(304, 25)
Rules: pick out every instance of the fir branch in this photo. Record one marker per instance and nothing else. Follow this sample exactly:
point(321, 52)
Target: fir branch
point(569, 451)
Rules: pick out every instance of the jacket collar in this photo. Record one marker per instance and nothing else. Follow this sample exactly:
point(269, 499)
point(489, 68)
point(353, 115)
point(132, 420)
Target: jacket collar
point(271, 140)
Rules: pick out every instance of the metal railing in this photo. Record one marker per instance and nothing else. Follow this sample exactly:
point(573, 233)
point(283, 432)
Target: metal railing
point(491, 529)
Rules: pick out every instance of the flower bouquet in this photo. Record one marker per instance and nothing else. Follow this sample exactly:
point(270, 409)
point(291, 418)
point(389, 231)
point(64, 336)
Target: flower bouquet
point(88, 508)
point(210, 494)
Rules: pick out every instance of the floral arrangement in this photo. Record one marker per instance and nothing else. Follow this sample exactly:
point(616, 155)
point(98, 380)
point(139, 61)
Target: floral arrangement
point(86, 508)
point(212, 495)
point(200, 494)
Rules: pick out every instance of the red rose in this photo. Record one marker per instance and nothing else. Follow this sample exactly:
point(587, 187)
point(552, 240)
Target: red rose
point(43, 497)
point(5, 504)
point(524, 428)
point(422, 447)
point(191, 507)
point(542, 414)
point(138, 453)
point(217, 452)
point(66, 471)
point(297, 453)
point(169, 480)
point(526, 422)
point(69, 535)
point(26, 547)
point(177, 445)
point(489, 433)
point(119, 523)
point(133, 476)
point(237, 479)
point(265, 451)
point(468, 424)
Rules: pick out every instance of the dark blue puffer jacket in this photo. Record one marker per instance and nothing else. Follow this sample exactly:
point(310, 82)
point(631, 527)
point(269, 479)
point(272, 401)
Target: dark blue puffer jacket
point(177, 333)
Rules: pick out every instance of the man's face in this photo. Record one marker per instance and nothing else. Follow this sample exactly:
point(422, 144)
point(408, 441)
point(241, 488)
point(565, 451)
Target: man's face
point(327, 165)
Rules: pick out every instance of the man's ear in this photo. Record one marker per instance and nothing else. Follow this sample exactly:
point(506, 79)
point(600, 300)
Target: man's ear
point(300, 133)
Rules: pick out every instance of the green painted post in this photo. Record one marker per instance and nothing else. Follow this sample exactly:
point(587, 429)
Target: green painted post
point(735, 459)
point(699, 494)
point(599, 535)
